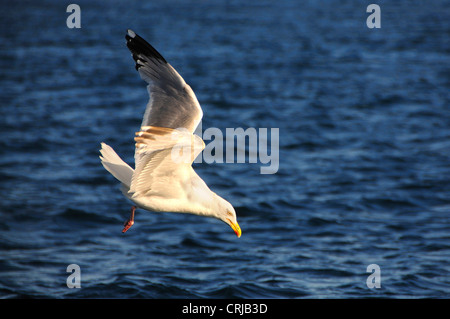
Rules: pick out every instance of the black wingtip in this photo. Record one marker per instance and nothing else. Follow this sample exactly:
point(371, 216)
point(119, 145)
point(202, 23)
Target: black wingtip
point(138, 45)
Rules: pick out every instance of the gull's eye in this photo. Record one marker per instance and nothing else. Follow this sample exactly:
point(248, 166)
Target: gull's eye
point(229, 213)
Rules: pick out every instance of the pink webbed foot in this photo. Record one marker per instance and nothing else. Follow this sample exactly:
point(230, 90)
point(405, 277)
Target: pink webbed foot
point(130, 221)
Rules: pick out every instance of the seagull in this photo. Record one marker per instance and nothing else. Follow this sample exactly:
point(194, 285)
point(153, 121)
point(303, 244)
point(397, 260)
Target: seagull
point(163, 179)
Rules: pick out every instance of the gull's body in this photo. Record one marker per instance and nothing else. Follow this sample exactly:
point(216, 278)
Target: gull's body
point(163, 180)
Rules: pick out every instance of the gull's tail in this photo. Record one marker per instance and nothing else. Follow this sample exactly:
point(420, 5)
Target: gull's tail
point(115, 165)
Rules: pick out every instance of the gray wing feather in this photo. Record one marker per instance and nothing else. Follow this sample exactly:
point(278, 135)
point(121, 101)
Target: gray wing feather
point(172, 102)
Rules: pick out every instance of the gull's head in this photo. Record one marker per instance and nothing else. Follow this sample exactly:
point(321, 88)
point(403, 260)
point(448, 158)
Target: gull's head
point(227, 214)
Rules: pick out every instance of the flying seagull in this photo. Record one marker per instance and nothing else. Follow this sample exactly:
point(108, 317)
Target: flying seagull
point(163, 179)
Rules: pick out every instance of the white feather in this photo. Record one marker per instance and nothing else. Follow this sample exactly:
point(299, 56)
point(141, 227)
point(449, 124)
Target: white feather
point(115, 165)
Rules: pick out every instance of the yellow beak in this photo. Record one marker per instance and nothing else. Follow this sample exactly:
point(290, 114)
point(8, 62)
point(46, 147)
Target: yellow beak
point(236, 228)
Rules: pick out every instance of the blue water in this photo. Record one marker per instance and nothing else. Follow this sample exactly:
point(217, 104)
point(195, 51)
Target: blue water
point(364, 172)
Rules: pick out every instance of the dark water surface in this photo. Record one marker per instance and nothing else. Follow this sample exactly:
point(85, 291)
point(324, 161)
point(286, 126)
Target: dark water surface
point(364, 173)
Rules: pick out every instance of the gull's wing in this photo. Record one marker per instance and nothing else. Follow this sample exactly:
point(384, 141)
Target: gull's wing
point(172, 102)
point(165, 155)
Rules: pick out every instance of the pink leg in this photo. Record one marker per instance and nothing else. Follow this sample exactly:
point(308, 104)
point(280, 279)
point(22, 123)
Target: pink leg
point(130, 221)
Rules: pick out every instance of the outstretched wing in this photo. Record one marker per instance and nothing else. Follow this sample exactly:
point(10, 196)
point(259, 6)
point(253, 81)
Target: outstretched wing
point(172, 102)
point(165, 145)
